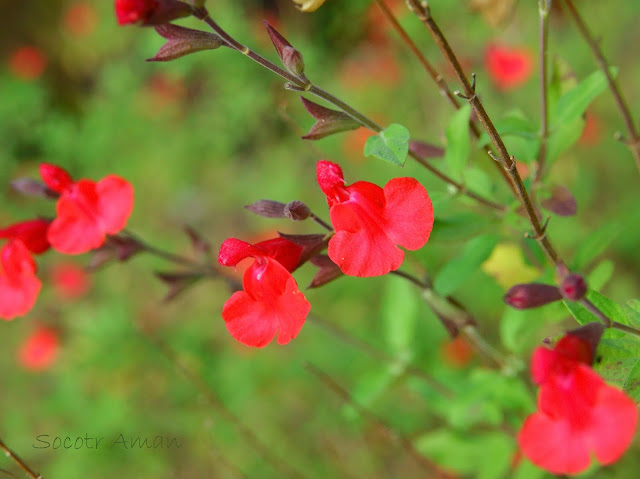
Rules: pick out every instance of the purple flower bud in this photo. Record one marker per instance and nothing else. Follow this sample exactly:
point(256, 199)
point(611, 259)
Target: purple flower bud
point(267, 208)
point(297, 211)
point(573, 287)
point(532, 295)
point(289, 56)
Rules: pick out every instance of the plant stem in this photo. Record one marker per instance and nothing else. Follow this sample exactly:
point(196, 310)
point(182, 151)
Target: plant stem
point(435, 76)
point(15, 458)
point(634, 137)
point(543, 9)
point(608, 322)
point(392, 434)
point(507, 161)
point(431, 71)
point(297, 84)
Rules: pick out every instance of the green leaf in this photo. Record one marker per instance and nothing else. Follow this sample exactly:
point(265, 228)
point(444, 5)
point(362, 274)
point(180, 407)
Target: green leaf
point(520, 330)
point(399, 311)
point(368, 388)
point(600, 275)
point(632, 310)
point(519, 135)
point(458, 269)
point(594, 244)
point(632, 383)
point(484, 455)
point(458, 142)
point(458, 227)
point(610, 308)
point(574, 103)
point(618, 362)
point(391, 145)
point(564, 137)
point(479, 181)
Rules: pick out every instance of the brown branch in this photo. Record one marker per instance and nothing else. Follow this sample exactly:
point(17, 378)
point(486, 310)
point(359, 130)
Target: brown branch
point(435, 76)
point(503, 157)
point(303, 85)
point(634, 137)
point(15, 458)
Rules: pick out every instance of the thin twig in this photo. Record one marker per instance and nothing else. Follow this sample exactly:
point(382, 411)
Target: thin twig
point(15, 458)
point(543, 8)
point(392, 434)
point(507, 161)
point(435, 76)
point(298, 84)
point(634, 137)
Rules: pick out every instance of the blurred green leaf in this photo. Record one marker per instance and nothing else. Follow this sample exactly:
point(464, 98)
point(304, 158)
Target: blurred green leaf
point(519, 135)
point(391, 145)
point(458, 269)
point(479, 181)
point(368, 388)
point(632, 310)
point(521, 329)
point(458, 227)
point(399, 311)
point(574, 103)
point(610, 308)
point(458, 142)
point(600, 274)
point(563, 137)
point(485, 456)
point(594, 244)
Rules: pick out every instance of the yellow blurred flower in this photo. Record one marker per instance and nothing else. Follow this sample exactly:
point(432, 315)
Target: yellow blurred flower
point(309, 5)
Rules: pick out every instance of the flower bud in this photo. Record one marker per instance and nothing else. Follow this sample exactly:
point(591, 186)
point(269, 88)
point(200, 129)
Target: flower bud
point(297, 211)
point(328, 271)
point(31, 187)
point(532, 295)
point(573, 287)
point(289, 56)
point(267, 208)
point(328, 121)
point(308, 5)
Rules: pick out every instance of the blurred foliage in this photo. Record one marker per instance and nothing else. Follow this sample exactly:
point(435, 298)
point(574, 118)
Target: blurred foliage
point(201, 137)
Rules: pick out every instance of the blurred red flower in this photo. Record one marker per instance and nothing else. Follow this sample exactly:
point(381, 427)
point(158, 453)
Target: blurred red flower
point(508, 67)
point(28, 63)
point(40, 349)
point(578, 413)
point(70, 280)
point(33, 233)
point(271, 300)
point(19, 286)
point(371, 222)
point(135, 11)
point(80, 19)
point(87, 210)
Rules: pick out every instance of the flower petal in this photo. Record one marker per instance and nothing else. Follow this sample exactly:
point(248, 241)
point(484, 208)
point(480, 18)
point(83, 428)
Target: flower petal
point(115, 203)
point(360, 247)
point(19, 287)
point(553, 445)
point(409, 213)
point(74, 231)
point(249, 321)
point(55, 177)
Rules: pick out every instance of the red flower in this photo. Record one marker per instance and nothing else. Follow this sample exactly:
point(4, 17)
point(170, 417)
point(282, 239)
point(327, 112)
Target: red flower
point(271, 300)
point(19, 286)
point(87, 210)
point(32, 233)
point(508, 67)
point(28, 63)
point(578, 414)
point(70, 280)
point(134, 11)
point(150, 12)
point(40, 349)
point(371, 221)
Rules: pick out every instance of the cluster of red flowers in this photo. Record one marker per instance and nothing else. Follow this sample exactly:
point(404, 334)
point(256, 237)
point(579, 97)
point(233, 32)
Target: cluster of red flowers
point(86, 210)
point(369, 222)
point(578, 413)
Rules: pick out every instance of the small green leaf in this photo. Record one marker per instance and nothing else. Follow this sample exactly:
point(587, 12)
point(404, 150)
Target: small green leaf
point(600, 275)
point(368, 388)
point(594, 244)
point(574, 103)
point(456, 271)
point(458, 142)
point(632, 383)
point(458, 227)
point(564, 137)
point(391, 145)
